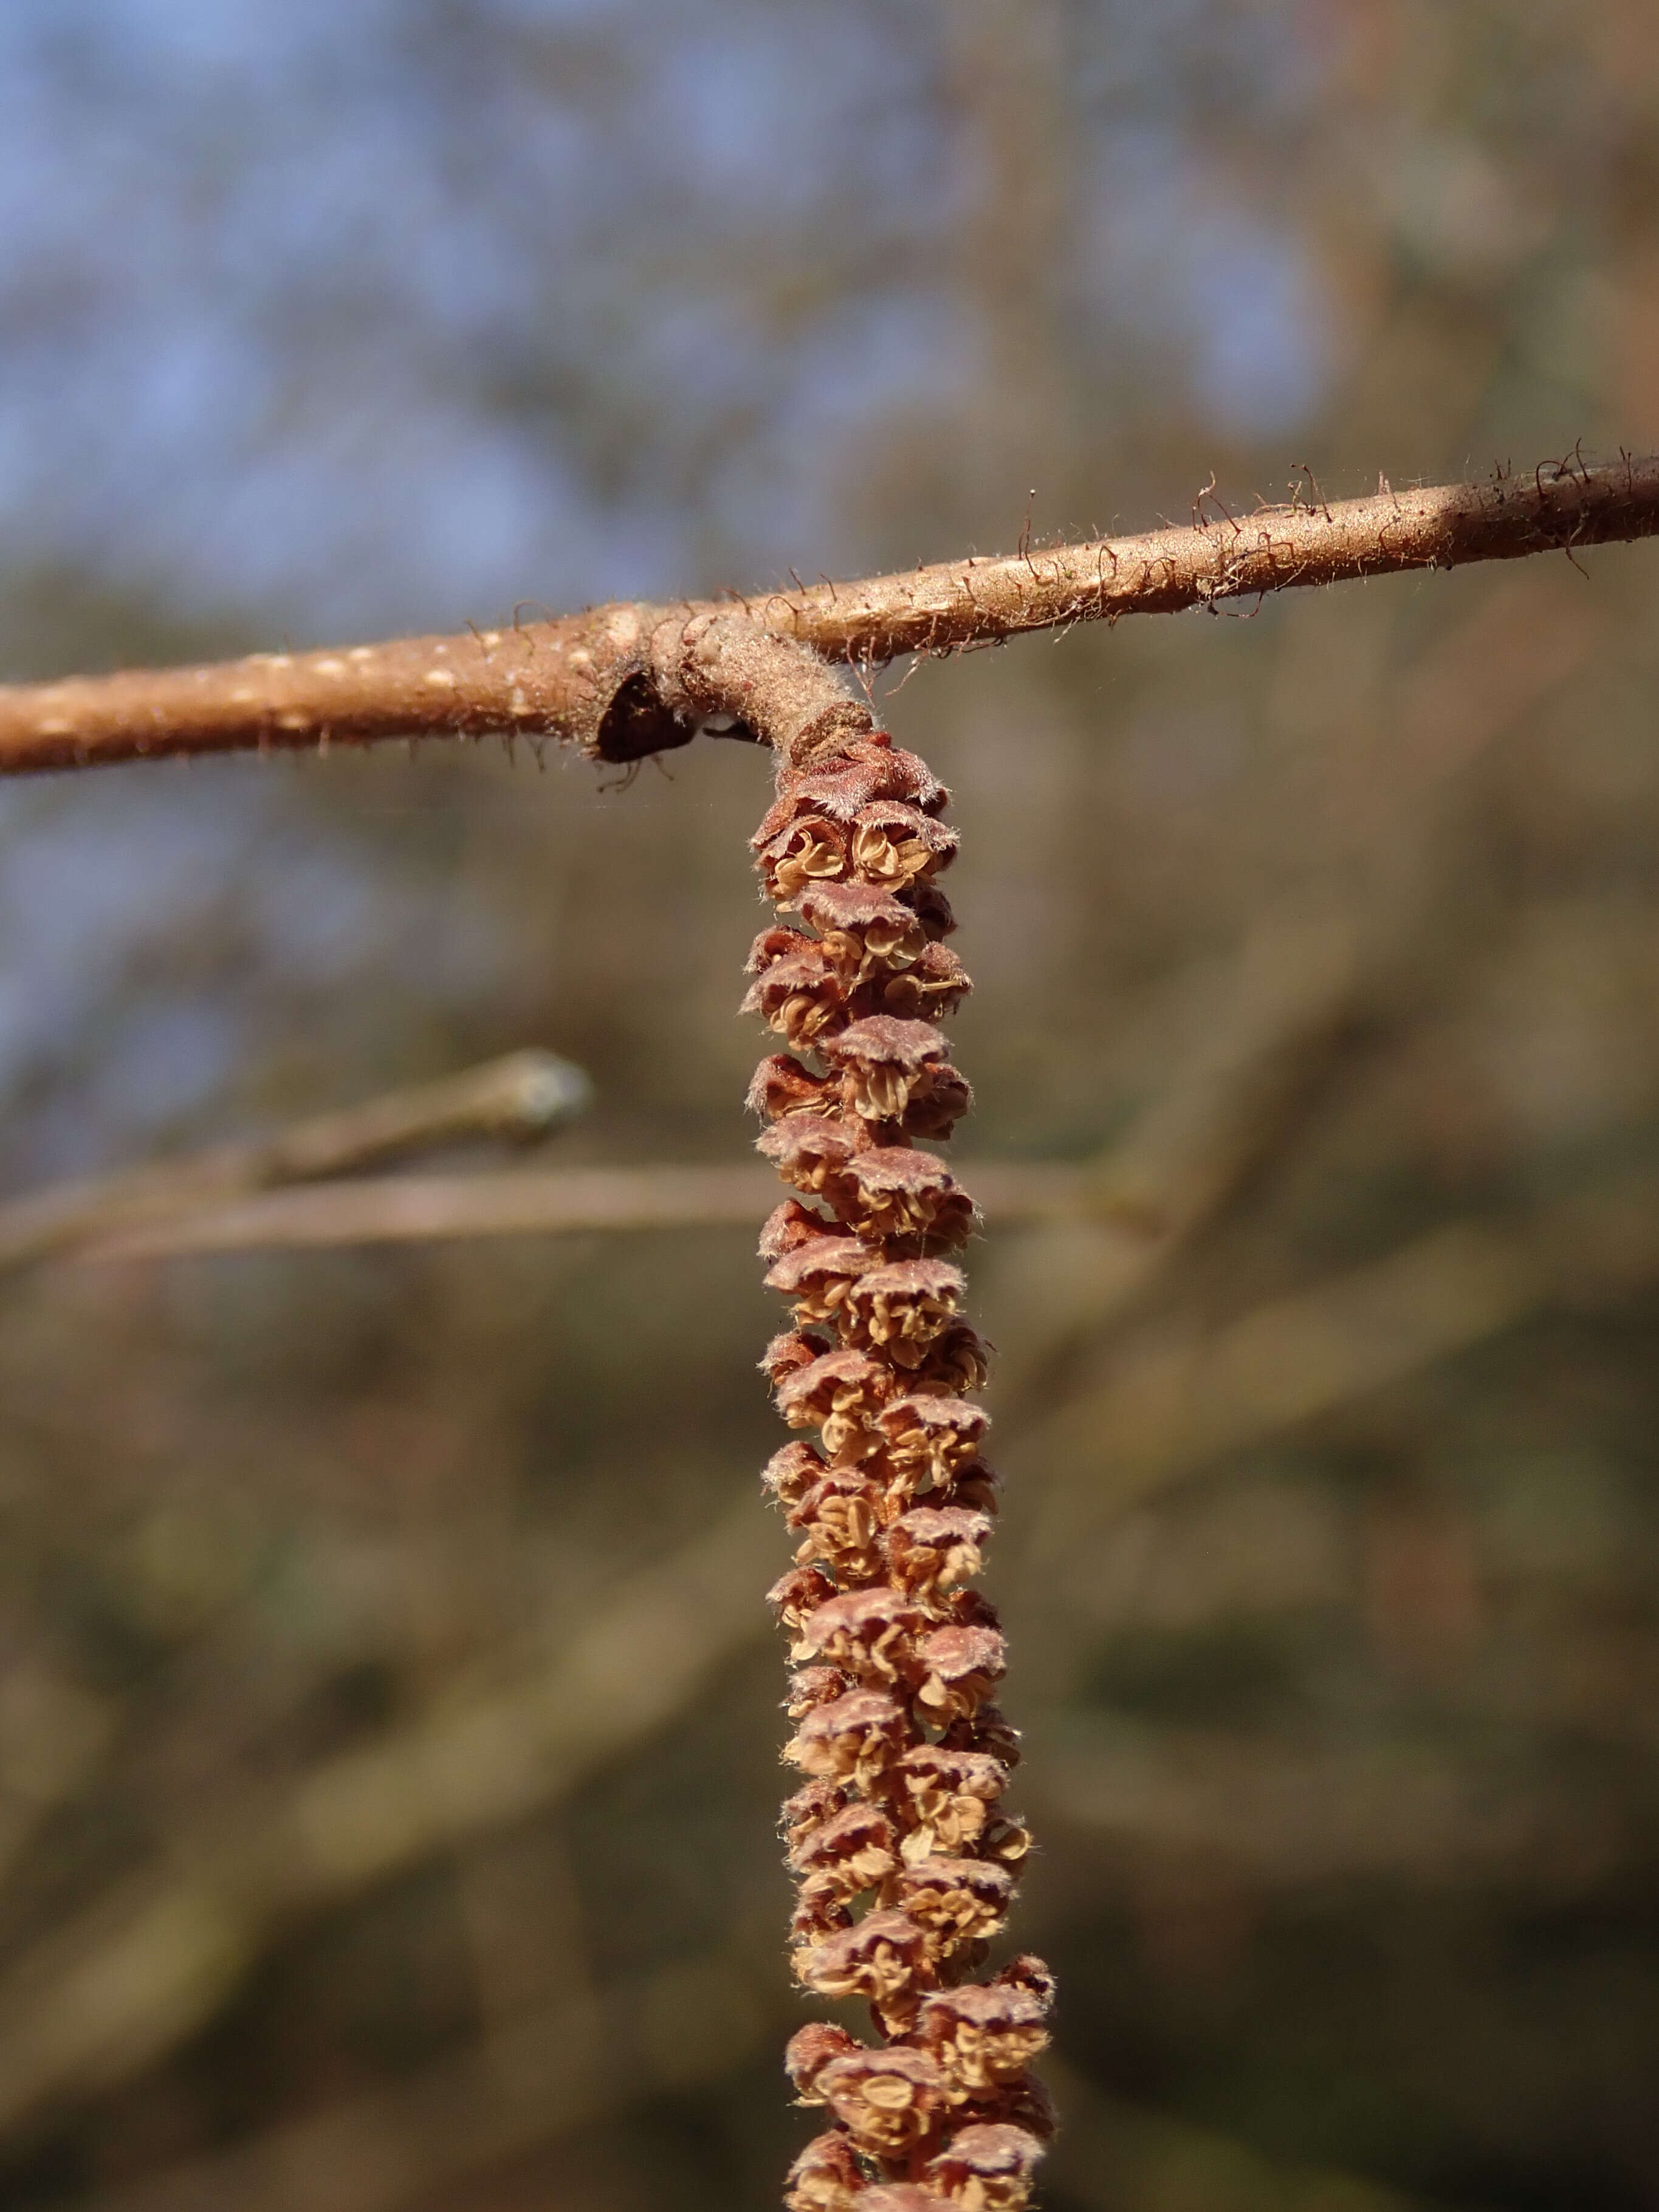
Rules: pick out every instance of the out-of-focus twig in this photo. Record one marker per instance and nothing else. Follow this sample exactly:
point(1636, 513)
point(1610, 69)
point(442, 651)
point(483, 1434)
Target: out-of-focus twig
point(53, 1732)
point(1114, 2156)
point(1179, 1164)
point(1174, 1401)
point(526, 2082)
point(109, 1993)
point(1290, 1815)
point(563, 1202)
point(520, 1097)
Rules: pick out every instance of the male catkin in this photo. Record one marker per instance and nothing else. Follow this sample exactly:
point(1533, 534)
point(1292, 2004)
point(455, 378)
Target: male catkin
point(904, 1856)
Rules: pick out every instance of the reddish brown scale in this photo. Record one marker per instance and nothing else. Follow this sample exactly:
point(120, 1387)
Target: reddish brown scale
point(885, 1959)
point(809, 2049)
point(811, 1687)
point(821, 1912)
point(1024, 2103)
point(812, 848)
point(819, 1276)
point(901, 2197)
point(975, 1486)
point(929, 1441)
point(854, 1851)
point(789, 1349)
point(837, 1519)
point(983, 2036)
point(789, 1475)
point(931, 1551)
point(788, 1227)
point(1025, 1971)
point(811, 1152)
point(945, 1799)
point(960, 1666)
point(827, 2177)
point(795, 1594)
point(972, 1609)
point(856, 1738)
point(872, 1634)
point(842, 1394)
point(774, 944)
point(782, 1087)
point(986, 2169)
point(895, 845)
point(862, 907)
point(900, 1308)
point(886, 1063)
point(986, 1730)
point(957, 1361)
point(935, 1110)
point(933, 910)
point(901, 1193)
point(866, 935)
point(807, 1810)
point(885, 2100)
point(897, 1655)
point(860, 777)
point(929, 990)
point(955, 1901)
point(803, 997)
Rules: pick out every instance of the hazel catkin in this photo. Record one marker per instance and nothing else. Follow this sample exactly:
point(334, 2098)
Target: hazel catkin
point(903, 1856)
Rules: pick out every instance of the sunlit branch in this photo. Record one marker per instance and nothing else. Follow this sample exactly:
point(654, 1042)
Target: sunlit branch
point(623, 681)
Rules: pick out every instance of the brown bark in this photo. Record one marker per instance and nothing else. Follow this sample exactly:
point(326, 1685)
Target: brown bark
point(623, 681)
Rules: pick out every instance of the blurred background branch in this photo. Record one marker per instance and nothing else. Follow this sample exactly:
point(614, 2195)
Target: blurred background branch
point(515, 1099)
point(555, 1202)
point(1177, 1401)
point(111, 1993)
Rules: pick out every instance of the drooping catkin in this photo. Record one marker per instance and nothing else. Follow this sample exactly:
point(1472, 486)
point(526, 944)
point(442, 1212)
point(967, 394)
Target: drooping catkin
point(903, 1856)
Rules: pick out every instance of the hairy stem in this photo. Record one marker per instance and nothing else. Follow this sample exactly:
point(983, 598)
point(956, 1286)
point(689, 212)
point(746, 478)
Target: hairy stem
point(623, 681)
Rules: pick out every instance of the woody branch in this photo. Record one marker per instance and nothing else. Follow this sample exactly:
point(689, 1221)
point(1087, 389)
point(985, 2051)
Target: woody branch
point(623, 681)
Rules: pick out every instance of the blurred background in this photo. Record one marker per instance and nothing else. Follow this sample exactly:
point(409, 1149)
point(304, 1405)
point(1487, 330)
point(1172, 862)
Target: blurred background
point(388, 1712)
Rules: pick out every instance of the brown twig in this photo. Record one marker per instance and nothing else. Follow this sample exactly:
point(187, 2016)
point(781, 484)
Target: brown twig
point(623, 681)
point(522, 1096)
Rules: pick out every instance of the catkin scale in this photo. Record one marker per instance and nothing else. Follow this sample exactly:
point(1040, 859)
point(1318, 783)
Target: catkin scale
point(903, 1855)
